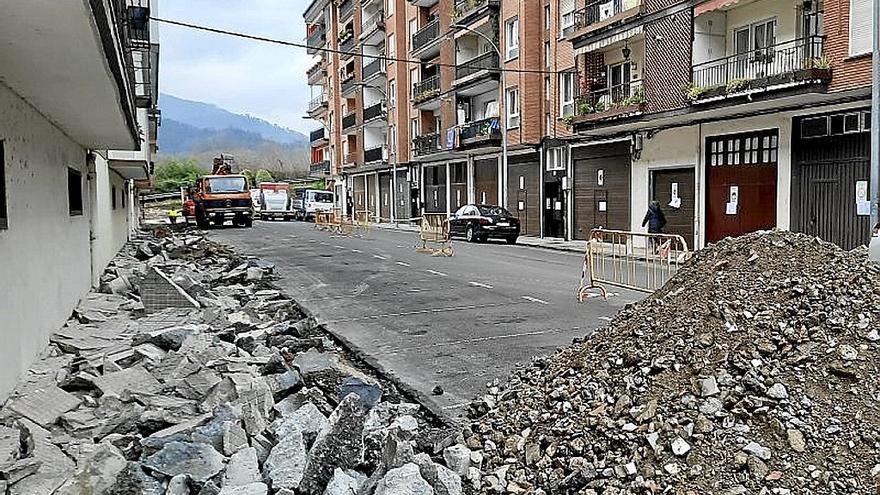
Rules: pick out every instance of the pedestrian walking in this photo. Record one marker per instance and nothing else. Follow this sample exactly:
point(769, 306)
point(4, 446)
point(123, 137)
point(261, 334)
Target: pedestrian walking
point(655, 220)
point(350, 204)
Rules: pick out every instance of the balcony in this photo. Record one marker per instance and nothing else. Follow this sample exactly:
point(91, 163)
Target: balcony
point(375, 22)
point(470, 10)
point(346, 8)
point(318, 136)
point(373, 69)
point(485, 62)
point(611, 102)
point(480, 132)
point(316, 40)
point(601, 13)
point(376, 154)
point(317, 103)
point(426, 36)
point(348, 85)
point(426, 145)
point(373, 112)
point(426, 89)
point(346, 44)
point(316, 73)
point(350, 159)
point(799, 61)
point(349, 121)
point(320, 169)
point(424, 3)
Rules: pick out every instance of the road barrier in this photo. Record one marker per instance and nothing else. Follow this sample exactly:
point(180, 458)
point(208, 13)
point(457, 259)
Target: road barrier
point(631, 260)
point(434, 229)
point(363, 219)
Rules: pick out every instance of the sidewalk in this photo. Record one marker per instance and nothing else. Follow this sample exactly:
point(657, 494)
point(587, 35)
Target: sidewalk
point(524, 240)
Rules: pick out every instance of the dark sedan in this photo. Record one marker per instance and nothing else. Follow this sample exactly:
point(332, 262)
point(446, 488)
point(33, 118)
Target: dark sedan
point(477, 223)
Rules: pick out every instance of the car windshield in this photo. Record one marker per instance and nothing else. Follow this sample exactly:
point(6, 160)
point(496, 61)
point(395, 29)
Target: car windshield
point(322, 197)
point(493, 211)
point(227, 184)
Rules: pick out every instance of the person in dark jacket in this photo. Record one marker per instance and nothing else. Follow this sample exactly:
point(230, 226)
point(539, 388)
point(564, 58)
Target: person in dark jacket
point(654, 218)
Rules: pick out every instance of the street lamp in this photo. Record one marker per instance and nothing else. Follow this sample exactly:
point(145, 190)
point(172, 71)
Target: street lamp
point(502, 118)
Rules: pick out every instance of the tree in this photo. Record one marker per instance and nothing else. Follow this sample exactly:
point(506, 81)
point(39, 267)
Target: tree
point(249, 175)
point(174, 174)
point(263, 176)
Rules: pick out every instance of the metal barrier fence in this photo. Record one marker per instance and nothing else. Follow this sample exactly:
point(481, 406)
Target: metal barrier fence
point(335, 221)
point(434, 229)
point(631, 260)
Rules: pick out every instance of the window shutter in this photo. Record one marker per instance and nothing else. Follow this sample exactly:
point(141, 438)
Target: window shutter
point(860, 25)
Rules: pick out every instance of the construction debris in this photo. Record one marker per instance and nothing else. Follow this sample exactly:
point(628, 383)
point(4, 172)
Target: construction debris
point(753, 371)
point(220, 385)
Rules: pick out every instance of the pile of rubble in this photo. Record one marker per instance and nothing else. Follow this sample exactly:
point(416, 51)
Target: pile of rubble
point(755, 370)
point(239, 393)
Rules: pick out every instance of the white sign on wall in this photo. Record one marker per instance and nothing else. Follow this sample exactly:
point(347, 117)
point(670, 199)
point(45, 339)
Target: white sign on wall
point(733, 201)
point(863, 204)
point(675, 202)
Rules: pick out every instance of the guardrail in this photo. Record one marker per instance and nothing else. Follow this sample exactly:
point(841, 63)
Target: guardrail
point(630, 260)
point(434, 229)
point(780, 58)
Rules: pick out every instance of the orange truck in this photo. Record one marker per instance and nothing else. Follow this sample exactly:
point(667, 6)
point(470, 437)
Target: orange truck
point(222, 196)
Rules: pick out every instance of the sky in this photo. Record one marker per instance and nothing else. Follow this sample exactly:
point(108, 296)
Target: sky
point(264, 80)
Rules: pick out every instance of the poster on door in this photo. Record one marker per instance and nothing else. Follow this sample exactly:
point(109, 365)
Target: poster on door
point(675, 201)
point(733, 201)
point(863, 204)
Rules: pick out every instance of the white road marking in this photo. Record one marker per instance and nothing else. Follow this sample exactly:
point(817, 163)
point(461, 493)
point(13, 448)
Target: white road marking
point(606, 318)
point(339, 247)
point(478, 284)
point(534, 299)
point(401, 263)
point(435, 272)
point(379, 257)
point(356, 251)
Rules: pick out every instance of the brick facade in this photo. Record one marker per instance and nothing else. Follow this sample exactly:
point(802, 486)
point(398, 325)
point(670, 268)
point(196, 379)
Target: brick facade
point(849, 72)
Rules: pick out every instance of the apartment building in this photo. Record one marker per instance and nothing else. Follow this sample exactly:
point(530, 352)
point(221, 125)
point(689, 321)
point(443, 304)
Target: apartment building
point(78, 120)
point(735, 115)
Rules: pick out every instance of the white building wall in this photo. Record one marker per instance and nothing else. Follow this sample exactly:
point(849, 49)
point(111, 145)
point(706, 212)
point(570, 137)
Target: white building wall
point(110, 225)
point(44, 254)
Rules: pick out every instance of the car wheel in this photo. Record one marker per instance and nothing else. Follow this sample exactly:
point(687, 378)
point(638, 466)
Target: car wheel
point(469, 234)
point(511, 239)
point(247, 222)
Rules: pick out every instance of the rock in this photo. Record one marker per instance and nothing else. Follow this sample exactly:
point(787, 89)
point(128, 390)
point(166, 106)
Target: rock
point(709, 387)
point(404, 480)
point(178, 485)
point(680, 447)
point(437, 390)
point(287, 461)
point(43, 405)
point(249, 489)
point(97, 474)
point(283, 383)
point(848, 352)
point(458, 458)
point(308, 420)
point(370, 393)
point(777, 391)
point(242, 469)
point(796, 440)
point(234, 438)
point(758, 451)
point(339, 444)
point(397, 452)
point(345, 482)
point(199, 461)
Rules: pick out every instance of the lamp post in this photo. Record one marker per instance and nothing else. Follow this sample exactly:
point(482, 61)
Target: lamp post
point(874, 245)
point(394, 164)
point(502, 118)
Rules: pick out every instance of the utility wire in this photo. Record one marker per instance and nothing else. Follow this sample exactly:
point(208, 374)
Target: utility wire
point(275, 41)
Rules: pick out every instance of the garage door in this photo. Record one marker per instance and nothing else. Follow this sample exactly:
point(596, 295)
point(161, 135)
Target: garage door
point(678, 182)
point(601, 188)
point(360, 194)
point(385, 196)
point(371, 194)
point(459, 191)
point(486, 181)
point(435, 189)
point(741, 174)
point(831, 168)
point(522, 192)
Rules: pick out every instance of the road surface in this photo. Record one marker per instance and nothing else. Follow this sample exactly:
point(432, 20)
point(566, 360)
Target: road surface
point(455, 322)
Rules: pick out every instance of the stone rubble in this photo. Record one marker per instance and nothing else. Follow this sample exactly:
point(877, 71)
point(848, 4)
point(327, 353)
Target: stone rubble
point(755, 370)
point(244, 395)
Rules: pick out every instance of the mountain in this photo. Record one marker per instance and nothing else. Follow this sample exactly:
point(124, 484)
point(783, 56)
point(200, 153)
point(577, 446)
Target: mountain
point(200, 131)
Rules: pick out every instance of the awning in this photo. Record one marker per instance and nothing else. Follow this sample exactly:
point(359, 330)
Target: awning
point(598, 45)
point(713, 5)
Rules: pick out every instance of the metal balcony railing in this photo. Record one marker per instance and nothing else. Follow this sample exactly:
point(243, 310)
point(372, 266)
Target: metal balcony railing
point(318, 135)
point(426, 89)
point(374, 111)
point(463, 8)
point(426, 145)
point(317, 102)
point(611, 98)
point(480, 130)
point(316, 71)
point(376, 154)
point(347, 44)
point(787, 57)
point(601, 10)
point(425, 36)
point(320, 169)
point(486, 61)
point(318, 37)
point(349, 120)
point(346, 8)
point(377, 66)
point(348, 84)
point(375, 21)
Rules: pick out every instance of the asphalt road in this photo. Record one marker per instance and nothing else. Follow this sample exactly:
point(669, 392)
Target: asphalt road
point(456, 322)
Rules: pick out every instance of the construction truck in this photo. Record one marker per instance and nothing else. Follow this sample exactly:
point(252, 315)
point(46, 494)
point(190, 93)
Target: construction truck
point(222, 196)
point(275, 201)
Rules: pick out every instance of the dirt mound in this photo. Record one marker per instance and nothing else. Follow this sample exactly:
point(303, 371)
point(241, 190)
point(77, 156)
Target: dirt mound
point(754, 370)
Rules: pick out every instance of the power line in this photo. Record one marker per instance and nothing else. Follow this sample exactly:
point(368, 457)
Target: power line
point(293, 44)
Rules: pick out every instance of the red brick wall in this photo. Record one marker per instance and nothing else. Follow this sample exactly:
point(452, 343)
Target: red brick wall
point(561, 59)
point(667, 61)
point(848, 73)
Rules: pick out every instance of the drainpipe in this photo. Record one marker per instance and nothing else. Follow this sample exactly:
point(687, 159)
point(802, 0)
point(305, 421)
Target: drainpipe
point(92, 181)
point(874, 251)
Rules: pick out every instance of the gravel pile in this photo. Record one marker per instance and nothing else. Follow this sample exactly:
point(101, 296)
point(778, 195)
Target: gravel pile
point(753, 371)
point(228, 389)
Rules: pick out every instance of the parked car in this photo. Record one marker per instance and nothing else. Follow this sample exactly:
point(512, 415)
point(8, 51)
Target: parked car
point(477, 223)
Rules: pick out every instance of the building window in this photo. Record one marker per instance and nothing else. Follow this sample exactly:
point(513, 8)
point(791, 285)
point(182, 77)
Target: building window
point(74, 192)
point(753, 148)
point(860, 26)
point(459, 173)
point(556, 159)
point(566, 17)
point(389, 9)
point(113, 197)
point(566, 94)
point(392, 93)
point(392, 132)
point(391, 48)
point(4, 220)
point(547, 22)
point(511, 37)
point(512, 105)
point(546, 54)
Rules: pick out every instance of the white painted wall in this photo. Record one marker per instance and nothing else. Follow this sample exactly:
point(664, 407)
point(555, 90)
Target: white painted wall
point(784, 11)
point(44, 255)
point(710, 34)
point(110, 225)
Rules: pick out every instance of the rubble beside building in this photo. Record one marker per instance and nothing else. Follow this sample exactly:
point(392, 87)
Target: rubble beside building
point(753, 371)
point(228, 389)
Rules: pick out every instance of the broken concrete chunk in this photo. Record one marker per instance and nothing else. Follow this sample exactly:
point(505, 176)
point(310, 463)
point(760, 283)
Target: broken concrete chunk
point(234, 438)
point(458, 458)
point(10, 445)
point(249, 489)
point(339, 444)
point(136, 379)
point(345, 482)
point(197, 460)
point(308, 420)
point(44, 405)
point(283, 383)
point(286, 463)
point(243, 468)
point(369, 393)
point(405, 480)
point(97, 474)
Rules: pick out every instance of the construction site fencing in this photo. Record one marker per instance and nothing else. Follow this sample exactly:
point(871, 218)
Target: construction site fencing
point(434, 235)
point(630, 260)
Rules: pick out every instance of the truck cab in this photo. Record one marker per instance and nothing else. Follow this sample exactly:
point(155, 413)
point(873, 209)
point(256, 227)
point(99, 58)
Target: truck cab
point(307, 202)
point(218, 198)
point(275, 200)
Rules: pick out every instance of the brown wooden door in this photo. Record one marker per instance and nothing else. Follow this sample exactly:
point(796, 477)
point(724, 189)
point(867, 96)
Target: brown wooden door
point(679, 221)
point(601, 188)
point(486, 182)
point(385, 196)
point(741, 165)
point(523, 181)
point(371, 194)
point(360, 193)
point(435, 189)
point(458, 194)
